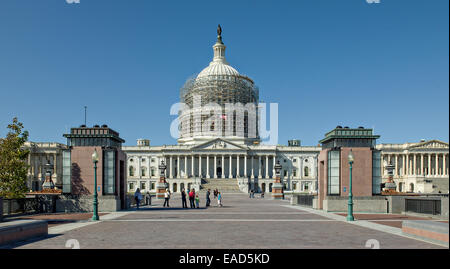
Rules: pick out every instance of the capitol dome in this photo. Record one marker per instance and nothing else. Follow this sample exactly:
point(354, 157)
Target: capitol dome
point(219, 85)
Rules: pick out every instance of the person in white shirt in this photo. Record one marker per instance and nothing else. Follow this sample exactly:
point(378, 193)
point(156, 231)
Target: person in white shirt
point(166, 198)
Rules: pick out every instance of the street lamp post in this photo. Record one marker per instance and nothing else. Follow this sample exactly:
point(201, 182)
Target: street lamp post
point(350, 195)
point(95, 160)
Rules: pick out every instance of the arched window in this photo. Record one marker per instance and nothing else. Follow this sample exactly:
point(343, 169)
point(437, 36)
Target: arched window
point(131, 171)
point(306, 171)
point(174, 187)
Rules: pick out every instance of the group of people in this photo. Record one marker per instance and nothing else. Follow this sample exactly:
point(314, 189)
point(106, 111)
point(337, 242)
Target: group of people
point(251, 194)
point(194, 199)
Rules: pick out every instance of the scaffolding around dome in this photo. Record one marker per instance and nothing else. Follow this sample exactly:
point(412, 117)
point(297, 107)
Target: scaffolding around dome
point(203, 118)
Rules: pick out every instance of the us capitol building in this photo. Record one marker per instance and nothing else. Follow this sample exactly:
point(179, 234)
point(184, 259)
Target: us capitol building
point(221, 149)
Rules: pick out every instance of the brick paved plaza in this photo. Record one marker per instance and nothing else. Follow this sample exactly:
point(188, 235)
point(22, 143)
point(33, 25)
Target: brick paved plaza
point(242, 223)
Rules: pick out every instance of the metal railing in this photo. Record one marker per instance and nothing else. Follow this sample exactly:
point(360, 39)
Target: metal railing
point(20, 206)
point(423, 206)
point(305, 200)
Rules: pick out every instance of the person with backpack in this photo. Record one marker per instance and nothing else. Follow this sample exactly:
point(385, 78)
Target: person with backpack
point(166, 198)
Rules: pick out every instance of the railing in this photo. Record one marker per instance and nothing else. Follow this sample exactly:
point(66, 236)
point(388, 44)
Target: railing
point(423, 206)
point(20, 206)
point(305, 200)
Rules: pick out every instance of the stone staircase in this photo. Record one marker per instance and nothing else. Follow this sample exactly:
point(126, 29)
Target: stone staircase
point(224, 185)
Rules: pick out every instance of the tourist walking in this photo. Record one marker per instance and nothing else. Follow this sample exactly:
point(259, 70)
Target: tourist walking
point(137, 197)
point(262, 194)
point(191, 198)
point(208, 200)
point(183, 199)
point(219, 199)
point(148, 198)
point(166, 198)
point(215, 193)
point(197, 201)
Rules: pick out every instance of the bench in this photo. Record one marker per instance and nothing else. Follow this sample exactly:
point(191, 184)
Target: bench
point(19, 230)
point(432, 231)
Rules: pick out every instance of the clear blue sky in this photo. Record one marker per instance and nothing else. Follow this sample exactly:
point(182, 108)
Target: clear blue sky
point(325, 62)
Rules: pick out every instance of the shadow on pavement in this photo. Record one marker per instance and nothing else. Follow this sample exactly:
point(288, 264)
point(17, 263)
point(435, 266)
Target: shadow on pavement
point(28, 241)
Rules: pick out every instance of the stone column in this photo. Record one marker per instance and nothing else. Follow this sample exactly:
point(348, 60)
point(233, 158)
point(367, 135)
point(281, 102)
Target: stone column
point(436, 165)
point(223, 167)
point(192, 165)
point(407, 164)
point(259, 167)
point(207, 166)
point(251, 162)
point(245, 165)
point(267, 167)
point(170, 174)
point(273, 166)
point(230, 172)
point(403, 164)
point(389, 158)
point(178, 166)
point(444, 164)
point(429, 165)
point(238, 172)
point(215, 166)
point(421, 165)
point(396, 165)
point(139, 172)
point(200, 165)
point(185, 166)
point(55, 172)
point(415, 165)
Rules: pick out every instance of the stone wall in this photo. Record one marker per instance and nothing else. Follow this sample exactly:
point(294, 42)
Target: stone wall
point(362, 204)
point(83, 203)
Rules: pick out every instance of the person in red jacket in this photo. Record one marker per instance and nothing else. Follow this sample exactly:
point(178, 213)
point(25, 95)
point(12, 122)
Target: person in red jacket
point(192, 198)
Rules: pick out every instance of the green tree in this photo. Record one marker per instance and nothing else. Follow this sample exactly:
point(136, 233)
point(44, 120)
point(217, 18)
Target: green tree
point(13, 166)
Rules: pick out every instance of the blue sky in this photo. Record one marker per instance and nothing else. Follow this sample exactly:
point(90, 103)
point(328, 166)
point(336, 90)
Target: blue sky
point(325, 62)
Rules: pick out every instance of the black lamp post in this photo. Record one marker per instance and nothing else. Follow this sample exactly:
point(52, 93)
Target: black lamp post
point(350, 195)
point(95, 160)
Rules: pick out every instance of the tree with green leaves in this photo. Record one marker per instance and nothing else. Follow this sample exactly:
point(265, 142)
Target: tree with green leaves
point(13, 166)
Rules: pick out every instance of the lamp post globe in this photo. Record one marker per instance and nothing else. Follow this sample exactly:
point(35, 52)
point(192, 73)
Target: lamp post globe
point(350, 217)
point(95, 205)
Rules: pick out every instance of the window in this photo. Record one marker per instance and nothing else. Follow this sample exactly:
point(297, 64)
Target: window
point(143, 159)
point(294, 172)
point(285, 173)
point(376, 172)
point(109, 172)
point(306, 160)
point(142, 185)
point(153, 160)
point(306, 171)
point(294, 160)
point(131, 186)
point(306, 186)
point(131, 171)
point(131, 160)
point(333, 172)
point(153, 172)
point(152, 185)
point(143, 171)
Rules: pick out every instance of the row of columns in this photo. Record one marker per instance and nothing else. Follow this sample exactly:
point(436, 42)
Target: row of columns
point(247, 159)
point(415, 164)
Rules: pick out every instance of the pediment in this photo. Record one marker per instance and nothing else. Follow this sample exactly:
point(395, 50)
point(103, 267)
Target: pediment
point(432, 144)
point(218, 144)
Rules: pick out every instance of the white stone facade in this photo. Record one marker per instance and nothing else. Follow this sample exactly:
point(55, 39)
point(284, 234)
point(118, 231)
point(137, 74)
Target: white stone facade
point(419, 167)
point(40, 153)
point(250, 166)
